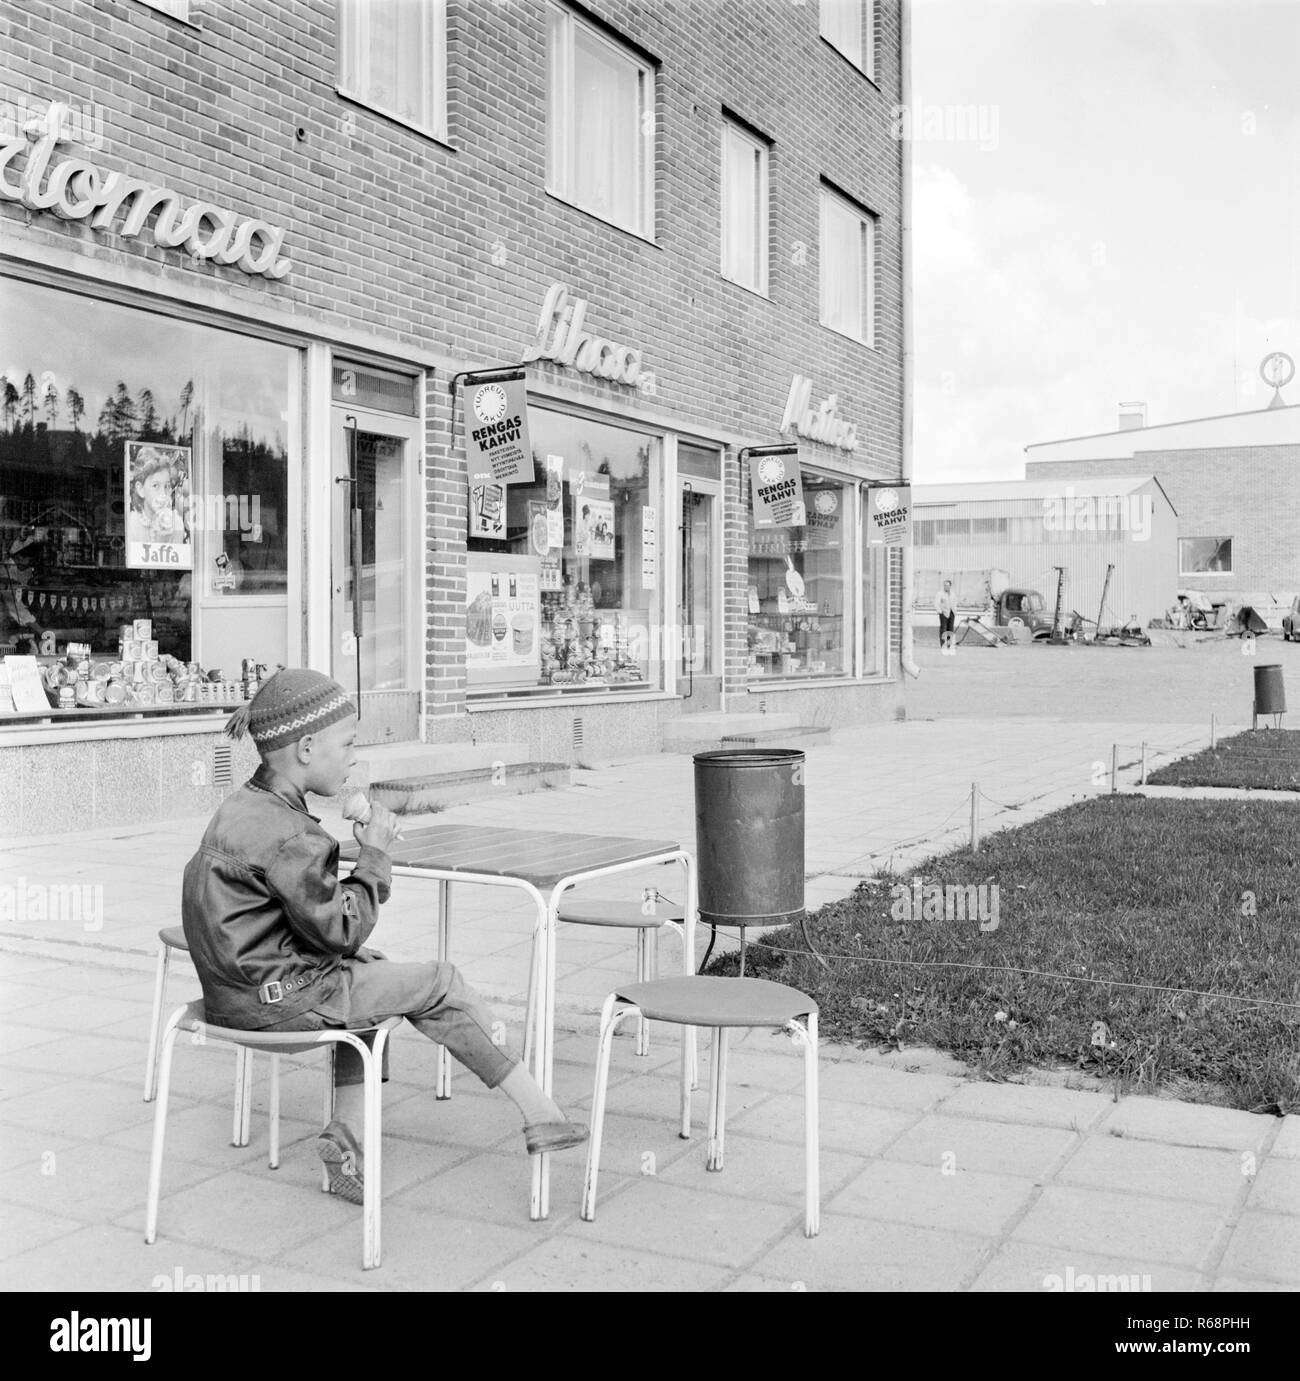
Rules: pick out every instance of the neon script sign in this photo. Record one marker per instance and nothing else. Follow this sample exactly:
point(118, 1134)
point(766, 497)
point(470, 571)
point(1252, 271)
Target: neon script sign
point(75, 190)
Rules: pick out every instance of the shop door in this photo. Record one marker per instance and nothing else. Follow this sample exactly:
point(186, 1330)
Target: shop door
point(699, 678)
point(376, 515)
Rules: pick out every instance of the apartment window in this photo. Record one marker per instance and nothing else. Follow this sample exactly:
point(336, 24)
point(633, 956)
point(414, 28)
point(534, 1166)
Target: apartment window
point(600, 126)
point(847, 26)
point(744, 208)
point(847, 253)
point(393, 58)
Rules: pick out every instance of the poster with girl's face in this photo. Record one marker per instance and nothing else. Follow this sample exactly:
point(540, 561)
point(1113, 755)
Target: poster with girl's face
point(157, 479)
point(593, 527)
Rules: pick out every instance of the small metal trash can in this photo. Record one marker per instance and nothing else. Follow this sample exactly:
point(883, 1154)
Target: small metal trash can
point(749, 836)
point(1270, 694)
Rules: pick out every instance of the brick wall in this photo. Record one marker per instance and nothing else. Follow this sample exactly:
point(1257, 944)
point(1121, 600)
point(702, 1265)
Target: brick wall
point(1247, 493)
point(393, 228)
point(449, 248)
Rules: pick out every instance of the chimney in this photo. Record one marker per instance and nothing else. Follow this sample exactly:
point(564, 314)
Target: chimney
point(1132, 416)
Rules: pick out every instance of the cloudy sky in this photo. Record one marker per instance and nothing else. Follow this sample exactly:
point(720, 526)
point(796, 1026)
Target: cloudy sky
point(1120, 221)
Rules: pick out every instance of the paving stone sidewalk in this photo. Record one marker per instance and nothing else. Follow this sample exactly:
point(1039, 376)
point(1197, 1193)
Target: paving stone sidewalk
point(929, 1180)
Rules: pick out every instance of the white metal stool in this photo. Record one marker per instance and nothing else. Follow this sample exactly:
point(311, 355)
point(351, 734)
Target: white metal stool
point(720, 1003)
point(647, 922)
point(191, 1018)
point(172, 937)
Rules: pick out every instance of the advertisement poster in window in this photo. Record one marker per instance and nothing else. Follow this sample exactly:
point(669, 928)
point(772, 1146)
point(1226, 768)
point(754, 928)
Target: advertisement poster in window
point(496, 430)
point(649, 548)
point(593, 526)
point(539, 532)
point(889, 516)
point(487, 508)
point(501, 622)
point(157, 485)
point(777, 489)
point(555, 501)
point(825, 514)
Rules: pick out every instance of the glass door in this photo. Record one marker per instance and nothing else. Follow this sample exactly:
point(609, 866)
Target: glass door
point(375, 603)
point(699, 680)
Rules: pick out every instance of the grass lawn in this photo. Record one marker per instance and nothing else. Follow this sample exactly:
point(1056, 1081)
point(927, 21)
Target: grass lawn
point(1268, 758)
point(1198, 896)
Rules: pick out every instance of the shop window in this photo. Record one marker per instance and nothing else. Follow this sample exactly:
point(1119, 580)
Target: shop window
point(600, 124)
point(744, 208)
point(1205, 556)
point(392, 56)
point(567, 599)
point(847, 255)
point(847, 26)
point(923, 532)
point(143, 477)
point(799, 596)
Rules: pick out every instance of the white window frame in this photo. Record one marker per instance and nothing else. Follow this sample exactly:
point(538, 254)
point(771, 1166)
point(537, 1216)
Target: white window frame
point(353, 39)
point(829, 197)
point(735, 137)
point(839, 31)
point(175, 9)
point(560, 119)
point(1198, 537)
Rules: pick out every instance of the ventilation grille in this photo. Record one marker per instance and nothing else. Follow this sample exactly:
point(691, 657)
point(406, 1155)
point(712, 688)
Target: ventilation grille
point(577, 731)
point(221, 757)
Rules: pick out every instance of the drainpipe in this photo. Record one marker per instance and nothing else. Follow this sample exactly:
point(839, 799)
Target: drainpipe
point(905, 91)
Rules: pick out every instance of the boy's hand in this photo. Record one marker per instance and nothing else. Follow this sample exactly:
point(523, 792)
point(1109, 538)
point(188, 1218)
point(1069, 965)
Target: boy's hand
point(381, 830)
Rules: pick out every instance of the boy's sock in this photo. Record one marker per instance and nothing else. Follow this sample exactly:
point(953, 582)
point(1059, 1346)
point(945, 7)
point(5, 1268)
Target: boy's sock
point(523, 1091)
point(349, 1107)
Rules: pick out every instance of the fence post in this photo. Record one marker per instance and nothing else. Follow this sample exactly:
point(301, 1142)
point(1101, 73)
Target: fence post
point(1114, 767)
point(975, 817)
point(1211, 728)
point(1144, 762)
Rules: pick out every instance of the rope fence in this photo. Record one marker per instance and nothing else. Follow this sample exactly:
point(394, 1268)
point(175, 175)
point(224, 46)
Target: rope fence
point(1146, 750)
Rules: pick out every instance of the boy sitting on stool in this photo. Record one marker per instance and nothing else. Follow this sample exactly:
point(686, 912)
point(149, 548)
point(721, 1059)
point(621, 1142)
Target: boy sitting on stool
point(277, 938)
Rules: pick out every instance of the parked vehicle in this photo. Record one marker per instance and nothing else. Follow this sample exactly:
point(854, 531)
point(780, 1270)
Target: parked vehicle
point(1291, 622)
point(990, 595)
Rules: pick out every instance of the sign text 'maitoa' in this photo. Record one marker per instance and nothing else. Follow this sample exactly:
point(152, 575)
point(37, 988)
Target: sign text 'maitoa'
point(74, 189)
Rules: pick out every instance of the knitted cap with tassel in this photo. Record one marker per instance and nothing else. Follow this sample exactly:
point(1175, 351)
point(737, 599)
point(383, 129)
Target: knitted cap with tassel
point(291, 704)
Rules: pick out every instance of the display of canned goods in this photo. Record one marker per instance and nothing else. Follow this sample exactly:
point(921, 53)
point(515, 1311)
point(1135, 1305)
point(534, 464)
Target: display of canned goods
point(67, 697)
point(114, 693)
point(166, 695)
point(157, 672)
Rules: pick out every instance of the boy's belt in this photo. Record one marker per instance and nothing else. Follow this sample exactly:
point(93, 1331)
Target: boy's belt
point(277, 990)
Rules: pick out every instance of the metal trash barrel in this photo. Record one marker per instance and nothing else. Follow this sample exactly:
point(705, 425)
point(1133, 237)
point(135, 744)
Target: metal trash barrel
point(1270, 694)
point(749, 835)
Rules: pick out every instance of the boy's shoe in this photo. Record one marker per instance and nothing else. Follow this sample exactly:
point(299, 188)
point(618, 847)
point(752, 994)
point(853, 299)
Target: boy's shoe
point(338, 1148)
point(553, 1136)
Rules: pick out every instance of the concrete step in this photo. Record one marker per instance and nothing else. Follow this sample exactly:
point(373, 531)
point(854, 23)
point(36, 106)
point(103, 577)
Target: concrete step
point(698, 733)
point(431, 792)
point(773, 736)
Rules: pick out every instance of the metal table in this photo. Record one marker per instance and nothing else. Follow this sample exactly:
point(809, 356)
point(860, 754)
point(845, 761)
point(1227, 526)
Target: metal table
point(544, 864)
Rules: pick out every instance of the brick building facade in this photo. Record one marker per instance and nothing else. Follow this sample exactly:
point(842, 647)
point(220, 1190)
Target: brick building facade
point(1232, 481)
point(415, 217)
